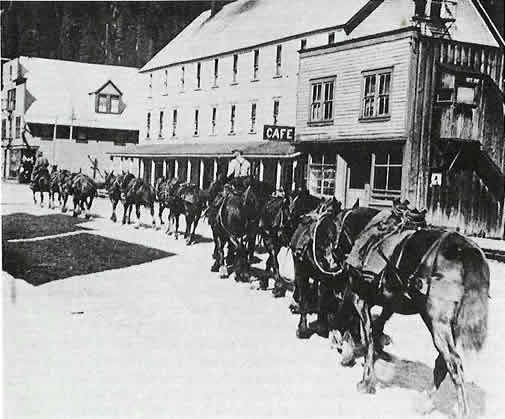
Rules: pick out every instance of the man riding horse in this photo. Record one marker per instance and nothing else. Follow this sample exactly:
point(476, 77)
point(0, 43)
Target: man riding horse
point(41, 166)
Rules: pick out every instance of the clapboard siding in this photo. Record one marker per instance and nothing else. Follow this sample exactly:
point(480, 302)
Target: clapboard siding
point(347, 65)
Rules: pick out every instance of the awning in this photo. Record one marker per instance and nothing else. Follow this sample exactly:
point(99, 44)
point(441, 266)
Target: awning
point(324, 138)
point(257, 149)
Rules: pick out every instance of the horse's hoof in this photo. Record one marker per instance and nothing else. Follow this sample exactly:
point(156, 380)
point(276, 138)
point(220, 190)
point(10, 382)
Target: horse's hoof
point(278, 291)
point(304, 333)
point(214, 268)
point(63, 210)
point(74, 214)
point(366, 387)
point(223, 272)
point(263, 284)
point(294, 308)
point(114, 219)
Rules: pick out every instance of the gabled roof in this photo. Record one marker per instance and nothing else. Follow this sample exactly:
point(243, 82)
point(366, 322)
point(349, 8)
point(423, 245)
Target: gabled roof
point(247, 23)
point(61, 89)
point(106, 84)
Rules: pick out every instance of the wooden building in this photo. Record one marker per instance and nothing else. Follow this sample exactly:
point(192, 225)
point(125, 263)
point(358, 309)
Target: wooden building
point(410, 107)
point(74, 112)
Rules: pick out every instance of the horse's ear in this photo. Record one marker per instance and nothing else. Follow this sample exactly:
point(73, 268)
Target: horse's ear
point(356, 204)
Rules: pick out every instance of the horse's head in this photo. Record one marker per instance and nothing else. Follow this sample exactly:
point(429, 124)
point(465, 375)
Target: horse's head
point(54, 168)
point(110, 178)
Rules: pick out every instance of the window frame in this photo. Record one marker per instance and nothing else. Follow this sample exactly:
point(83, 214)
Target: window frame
point(387, 194)
point(256, 64)
point(213, 120)
point(253, 118)
point(233, 117)
point(148, 125)
point(174, 122)
point(330, 80)
point(216, 71)
point(165, 82)
point(18, 127)
point(196, 123)
point(160, 135)
point(182, 78)
point(331, 38)
point(376, 73)
point(150, 86)
point(11, 99)
point(331, 182)
point(303, 44)
point(198, 75)
point(459, 80)
point(108, 103)
point(235, 69)
point(278, 60)
point(276, 109)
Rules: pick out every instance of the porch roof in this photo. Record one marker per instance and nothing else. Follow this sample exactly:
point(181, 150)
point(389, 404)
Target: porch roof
point(258, 149)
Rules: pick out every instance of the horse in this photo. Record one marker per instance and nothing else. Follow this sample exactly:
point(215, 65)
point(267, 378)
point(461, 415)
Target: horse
point(233, 217)
point(440, 275)
point(54, 186)
point(40, 184)
point(84, 191)
point(136, 192)
point(165, 190)
point(193, 201)
point(112, 185)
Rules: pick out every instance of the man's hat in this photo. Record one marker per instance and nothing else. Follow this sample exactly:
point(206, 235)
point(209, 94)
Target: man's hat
point(235, 150)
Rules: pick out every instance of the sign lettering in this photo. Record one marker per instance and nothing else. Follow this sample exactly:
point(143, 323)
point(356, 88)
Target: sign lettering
point(278, 133)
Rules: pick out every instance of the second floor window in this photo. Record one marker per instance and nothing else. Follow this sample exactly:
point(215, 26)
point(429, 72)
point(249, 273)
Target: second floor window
point(150, 86)
point(196, 127)
point(174, 122)
point(11, 99)
point(107, 104)
point(278, 60)
point(181, 81)
point(256, 64)
point(233, 115)
point(198, 75)
point(376, 92)
point(148, 124)
point(18, 126)
point(331, 38)
point(216, 71)
point(235, 68)
point(303, 44)
point(252, 129)
point(165, 81)
point(161, 124)
point(213, 121)
point(321, 105)
point(276, 112)
point(4, 129)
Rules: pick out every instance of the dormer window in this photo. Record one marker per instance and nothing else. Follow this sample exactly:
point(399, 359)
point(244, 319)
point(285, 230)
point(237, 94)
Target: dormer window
point(108, 99)
point(107, 104)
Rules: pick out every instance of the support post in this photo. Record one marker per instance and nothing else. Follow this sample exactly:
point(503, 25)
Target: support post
point(262, 170)
point(201, 174)
point(153, 172)
point(214, 174)
point(176, 168)
point(188, 171)
point(278, 172)
point(164, 168)
point(293, 175)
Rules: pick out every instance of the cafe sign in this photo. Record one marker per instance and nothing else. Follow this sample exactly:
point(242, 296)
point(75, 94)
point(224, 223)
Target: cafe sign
point(278, 133)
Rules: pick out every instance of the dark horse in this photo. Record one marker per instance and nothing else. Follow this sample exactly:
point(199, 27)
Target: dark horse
point(279, 219)
point(136, 192)
point(313, 257)
point(112, 184)
point(233, 217)
point(54, 186)
point(40, 184)
point(193, 201)
point(84, 191)
point(165, 189)
point(441, 275)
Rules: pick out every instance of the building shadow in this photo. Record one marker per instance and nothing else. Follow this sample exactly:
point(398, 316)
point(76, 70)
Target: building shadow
point(28, 226)
point(41, 261)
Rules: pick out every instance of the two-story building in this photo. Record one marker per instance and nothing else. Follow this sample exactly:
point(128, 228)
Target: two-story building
point(226, 76)
point(74, 112)
point(410, 106)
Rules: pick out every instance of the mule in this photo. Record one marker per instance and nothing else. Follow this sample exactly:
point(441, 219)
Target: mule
point(443, 277)
point(136, 192)
point(165, 190)
point(40, 184)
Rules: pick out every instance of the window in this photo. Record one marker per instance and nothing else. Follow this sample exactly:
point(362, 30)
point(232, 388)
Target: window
point(233, 115)
point(457, 89)
point(10, 72)
point(150, 87)
point(11, 99)
point(276, 111)
point(148, 124)
point(256, 64)
point(174, 122)
point(114, 104)
point(321, 105)
point(252, 129)
point(278, 60)
point(165, 82)
point(386, 175)
point(161, 124)
point(213, 121)
point(107, 104)
point(181, 82)
point(198, 75)
point(18, 126)
point(196, 128)
point(216, 71)
point(322, 172)
point(331, 38)
point(4, 129)
point(376, 91)
point(235, 68)
point(10, 128)
point(303, 44)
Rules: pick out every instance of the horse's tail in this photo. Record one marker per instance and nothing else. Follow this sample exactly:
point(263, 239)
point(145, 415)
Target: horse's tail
point(471, 322)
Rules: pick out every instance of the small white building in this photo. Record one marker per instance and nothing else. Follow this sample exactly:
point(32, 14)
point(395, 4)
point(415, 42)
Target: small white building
point(74, 112)
point(227, 75)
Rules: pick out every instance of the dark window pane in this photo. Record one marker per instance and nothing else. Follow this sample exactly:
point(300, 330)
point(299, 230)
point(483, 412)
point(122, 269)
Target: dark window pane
point(380, 178)
point(396, 156)
point(395, 178)
point(381, 158)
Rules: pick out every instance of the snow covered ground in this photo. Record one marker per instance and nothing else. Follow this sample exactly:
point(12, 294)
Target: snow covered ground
point(170, 339)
